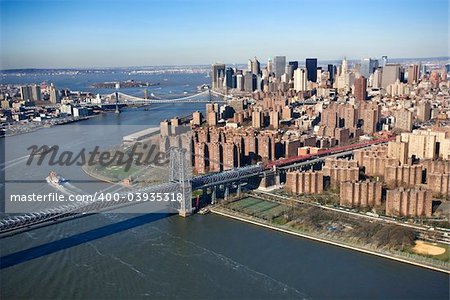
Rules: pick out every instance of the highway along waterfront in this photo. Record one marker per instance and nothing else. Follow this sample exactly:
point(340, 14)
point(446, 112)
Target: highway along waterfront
point(166, 256)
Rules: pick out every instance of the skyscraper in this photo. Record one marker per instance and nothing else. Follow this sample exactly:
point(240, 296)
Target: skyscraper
point(413, 74)
point(300, 79)
point(280, 63)
point(368, 65)
point(293, 65)
point(360, 88)
point(249, 81)
point(25, 92)
point(218, 73)
point(384, 61)
point(36, 92)
point(256, 66)
point(332, 71)
point(377, 77)
point(229, 78)
point(239, 81)
point(269, 65)
point(54, 94)
point(391, 72)
point(311, 67)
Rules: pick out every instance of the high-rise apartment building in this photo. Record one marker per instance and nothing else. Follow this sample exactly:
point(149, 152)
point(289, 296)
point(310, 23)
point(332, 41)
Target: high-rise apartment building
point(360, 92)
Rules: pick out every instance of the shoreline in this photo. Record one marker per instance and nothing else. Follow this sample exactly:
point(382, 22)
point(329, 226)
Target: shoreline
point(43, 126)
point(224, 213)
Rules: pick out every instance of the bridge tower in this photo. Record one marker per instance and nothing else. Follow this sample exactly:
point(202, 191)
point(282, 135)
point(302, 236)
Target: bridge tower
point(209, 94)
point(179, 172)
point(117, 103)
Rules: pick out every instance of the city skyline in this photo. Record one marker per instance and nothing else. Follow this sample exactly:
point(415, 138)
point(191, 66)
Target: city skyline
point(98, 33)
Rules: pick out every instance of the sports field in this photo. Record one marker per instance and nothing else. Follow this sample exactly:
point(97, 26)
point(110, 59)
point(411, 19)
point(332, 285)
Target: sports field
point(258, 207)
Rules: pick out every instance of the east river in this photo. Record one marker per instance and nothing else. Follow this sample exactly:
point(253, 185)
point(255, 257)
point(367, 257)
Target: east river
point(165, 256)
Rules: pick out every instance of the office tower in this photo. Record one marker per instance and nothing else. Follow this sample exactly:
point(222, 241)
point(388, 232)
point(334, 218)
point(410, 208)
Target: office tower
point(413, 74)
point(280, 63)
point(249, 81)
point(391, 73)
point(376, 78)
point(300, 79)
point(256, 66)
point(218, 73)
point(293, 65)
point(259, 82)
point(384, 61)
point(367, 67)
point(269, 66)
point(332, 71)
point(311, 67)
point(424, 70)
point(54, 94)
point(36, 92)
point(360, 88)
point(319, 74)
point(239, 82)
point(447, 68)
point(229, 78)
point(25, 92)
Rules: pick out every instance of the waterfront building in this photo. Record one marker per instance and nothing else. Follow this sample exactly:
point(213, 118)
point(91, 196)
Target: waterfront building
point(413, 202)
point(360, 194)
point(218, 74)
point(54, 94)
point(36, 92)
point(305, 182)
point(25, 92)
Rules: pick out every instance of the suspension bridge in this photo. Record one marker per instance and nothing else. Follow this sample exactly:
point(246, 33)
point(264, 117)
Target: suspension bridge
point(181, 182)
point(119, 98)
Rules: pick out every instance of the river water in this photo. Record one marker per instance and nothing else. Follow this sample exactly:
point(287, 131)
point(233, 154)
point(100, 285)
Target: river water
point(166, 256)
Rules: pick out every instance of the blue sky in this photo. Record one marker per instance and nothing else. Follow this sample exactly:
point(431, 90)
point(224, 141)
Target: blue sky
point(100, 33)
